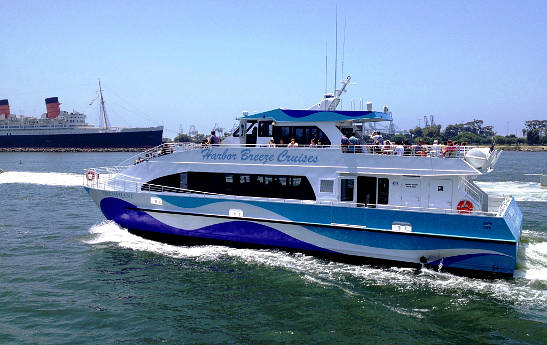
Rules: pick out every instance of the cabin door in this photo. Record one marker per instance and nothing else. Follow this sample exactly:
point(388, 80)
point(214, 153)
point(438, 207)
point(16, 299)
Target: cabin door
point(440, 194)
point(366, 190)
point(411, 192)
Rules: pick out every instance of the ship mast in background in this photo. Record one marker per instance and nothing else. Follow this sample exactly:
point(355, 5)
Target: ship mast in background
point(103, 110)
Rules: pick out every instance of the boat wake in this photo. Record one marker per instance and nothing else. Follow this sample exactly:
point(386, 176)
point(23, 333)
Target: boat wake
point(528, 289)
point(521, 191)
point(41, 178)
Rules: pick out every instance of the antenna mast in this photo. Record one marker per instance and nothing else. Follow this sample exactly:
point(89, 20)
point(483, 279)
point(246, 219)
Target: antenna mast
point(343, 47)
point(343, 51)
point(326, 67)
point(103, 110)
point(336, 52)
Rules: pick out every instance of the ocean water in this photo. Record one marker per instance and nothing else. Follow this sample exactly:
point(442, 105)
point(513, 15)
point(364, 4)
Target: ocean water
point(67, 276)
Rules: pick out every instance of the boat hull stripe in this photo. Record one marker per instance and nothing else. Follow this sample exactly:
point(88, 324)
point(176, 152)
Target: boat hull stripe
point(334, 226)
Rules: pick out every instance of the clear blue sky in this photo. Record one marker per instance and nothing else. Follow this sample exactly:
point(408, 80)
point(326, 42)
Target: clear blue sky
point(203, 62)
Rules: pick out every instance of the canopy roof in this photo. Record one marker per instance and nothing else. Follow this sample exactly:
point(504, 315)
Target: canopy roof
point(288, 115)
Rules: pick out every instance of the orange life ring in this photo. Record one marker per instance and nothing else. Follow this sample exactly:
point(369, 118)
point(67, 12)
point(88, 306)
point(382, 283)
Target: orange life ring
point(90, 175)
point(465, 206)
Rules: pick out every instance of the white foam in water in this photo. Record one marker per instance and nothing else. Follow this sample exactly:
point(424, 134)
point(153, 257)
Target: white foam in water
point(41, 178)
point(535, 261)
point(520, 291)
point(521, 191)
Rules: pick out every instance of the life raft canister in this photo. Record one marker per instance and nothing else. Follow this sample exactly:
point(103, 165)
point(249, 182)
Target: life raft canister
point(465, 206)
point(90, 175)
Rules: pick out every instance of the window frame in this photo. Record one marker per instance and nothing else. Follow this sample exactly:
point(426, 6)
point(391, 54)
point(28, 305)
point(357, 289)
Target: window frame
point(354, 179)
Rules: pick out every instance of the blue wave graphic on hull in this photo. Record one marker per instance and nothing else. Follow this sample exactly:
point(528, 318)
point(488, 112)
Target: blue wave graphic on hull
point(119, 211)
point(243, 231)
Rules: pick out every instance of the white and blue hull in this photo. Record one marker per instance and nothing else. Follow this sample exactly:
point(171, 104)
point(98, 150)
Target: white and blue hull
point(453, 241)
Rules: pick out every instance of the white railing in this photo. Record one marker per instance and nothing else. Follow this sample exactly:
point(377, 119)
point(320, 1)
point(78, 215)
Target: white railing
point(440, 151)
point(479, 196)
point(122, 183)
point(496, 204)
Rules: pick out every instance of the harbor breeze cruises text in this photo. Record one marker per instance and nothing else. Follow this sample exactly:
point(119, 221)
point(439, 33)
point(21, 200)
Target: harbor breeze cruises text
point(246, 155)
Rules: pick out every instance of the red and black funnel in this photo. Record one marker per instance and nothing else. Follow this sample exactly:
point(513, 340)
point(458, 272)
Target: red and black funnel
point(52, 107)
point(4, 108)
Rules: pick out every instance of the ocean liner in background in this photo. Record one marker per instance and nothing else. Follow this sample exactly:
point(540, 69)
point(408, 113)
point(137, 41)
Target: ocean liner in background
point(61, 129)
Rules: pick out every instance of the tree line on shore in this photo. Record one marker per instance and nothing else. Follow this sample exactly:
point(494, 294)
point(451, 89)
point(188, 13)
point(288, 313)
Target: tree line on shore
point(472, 132)
point(475, 132)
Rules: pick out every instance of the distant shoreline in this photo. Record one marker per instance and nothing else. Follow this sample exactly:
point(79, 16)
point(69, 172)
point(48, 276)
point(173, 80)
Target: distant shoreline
point(523, 148)
point(72, 149)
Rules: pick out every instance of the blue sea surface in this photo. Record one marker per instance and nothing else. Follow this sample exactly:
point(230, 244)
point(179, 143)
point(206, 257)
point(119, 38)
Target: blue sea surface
point(69, 277)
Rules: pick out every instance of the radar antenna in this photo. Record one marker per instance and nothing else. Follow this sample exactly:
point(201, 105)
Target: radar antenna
point(338, 93)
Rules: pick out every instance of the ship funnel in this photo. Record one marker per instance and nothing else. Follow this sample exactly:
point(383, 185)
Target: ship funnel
point(52, 107)
point(4, 109)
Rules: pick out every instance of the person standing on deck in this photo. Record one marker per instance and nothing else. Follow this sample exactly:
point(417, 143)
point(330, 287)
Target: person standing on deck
point(344, 142)
point(213, 139)
point(436, 149)
point(353, 141)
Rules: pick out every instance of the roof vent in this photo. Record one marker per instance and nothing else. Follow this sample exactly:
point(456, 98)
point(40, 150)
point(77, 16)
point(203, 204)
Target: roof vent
point(369, 106)
point(245, 113)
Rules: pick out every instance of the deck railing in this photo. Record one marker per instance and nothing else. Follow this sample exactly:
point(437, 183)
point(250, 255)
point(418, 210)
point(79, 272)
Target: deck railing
point(477, 194)
point(439, 151)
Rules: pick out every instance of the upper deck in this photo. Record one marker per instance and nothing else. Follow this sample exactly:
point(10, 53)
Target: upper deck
point(316, 163)
point(332, 159)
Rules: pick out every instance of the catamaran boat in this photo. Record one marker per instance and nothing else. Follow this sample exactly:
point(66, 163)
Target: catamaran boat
point(348, 201)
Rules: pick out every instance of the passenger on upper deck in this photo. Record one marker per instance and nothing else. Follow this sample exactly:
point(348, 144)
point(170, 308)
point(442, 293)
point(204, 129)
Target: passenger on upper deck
point(435, 149)
point(353, 141)
point(377, 136)
point(344, 142)
point(408, 151)
point(420, 149)
point(272, 143)
point(450, 149)
point(399, 149)
point(312, 143)
point(293, 143)
point(213, 139)
point(387, 149)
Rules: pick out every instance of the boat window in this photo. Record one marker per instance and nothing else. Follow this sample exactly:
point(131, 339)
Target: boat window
point(299, 133)
point(184, 180)
point(250, 125)
point(326, 186)
point(273, 186)
point(171, 182)
point(383, 191)
point(346, 189)
point(229, 183)
point(285, 133)
point(302, 134)
point(265, 129)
